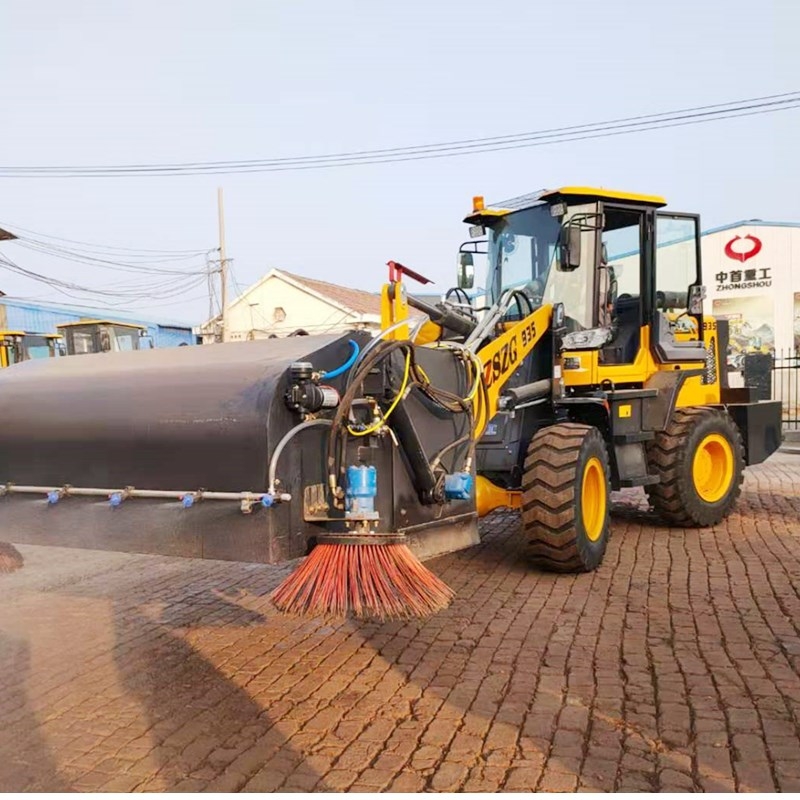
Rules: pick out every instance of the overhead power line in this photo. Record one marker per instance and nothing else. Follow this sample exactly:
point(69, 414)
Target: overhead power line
point(597, 130)
point(142, 277)
point(125, 292)
point(137, 252)
point(118, 266)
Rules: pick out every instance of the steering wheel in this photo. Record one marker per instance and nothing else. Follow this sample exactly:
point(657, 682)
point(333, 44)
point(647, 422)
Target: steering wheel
point(535, 291)
point(462, 302)
point(520, 295)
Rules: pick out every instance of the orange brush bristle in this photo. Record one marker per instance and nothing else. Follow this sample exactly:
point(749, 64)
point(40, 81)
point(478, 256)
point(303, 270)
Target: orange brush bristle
point(383, 581)
point(10, 558)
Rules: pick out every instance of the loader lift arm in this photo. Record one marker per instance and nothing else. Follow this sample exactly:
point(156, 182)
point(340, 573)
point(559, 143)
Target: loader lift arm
point(496, 346)
point(500, 354)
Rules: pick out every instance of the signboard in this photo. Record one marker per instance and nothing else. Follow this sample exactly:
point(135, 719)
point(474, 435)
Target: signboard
point(751, 323)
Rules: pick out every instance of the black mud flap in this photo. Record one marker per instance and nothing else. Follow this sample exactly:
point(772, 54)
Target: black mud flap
point(760, 425)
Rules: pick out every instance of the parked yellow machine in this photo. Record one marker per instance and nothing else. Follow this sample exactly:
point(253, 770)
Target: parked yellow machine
point(18, 346)
point(103, 336)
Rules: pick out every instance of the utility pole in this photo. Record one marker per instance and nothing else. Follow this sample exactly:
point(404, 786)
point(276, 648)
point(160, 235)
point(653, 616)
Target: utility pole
point(223, 266)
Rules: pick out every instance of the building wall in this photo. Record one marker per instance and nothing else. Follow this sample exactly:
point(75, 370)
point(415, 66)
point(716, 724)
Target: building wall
point(41, 319)
point(172, 336)
point(755, 282)
point(277, 307)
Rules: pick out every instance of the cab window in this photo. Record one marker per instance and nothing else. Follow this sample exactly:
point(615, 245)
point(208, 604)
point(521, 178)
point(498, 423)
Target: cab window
point(676, 261)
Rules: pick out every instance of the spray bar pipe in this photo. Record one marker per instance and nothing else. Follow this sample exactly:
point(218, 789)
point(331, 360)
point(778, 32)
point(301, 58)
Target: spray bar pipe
point(188, 497)
point(130, 492)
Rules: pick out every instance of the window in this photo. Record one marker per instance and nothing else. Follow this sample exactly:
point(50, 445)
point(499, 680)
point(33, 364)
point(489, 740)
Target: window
point(278, 314)
point(125, 342)
point(36, 347)
point(13, 352)
point(676, 261)
point(82, 342)
point(575, 288)
point(619, 280)
point(124, 339)
point(622, 248)
point(521, 248)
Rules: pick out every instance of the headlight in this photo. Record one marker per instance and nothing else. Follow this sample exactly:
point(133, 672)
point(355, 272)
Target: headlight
point(586, 340)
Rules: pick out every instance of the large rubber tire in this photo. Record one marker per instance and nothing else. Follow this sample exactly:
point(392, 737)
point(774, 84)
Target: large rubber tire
point(700, 460)
point(566, 498)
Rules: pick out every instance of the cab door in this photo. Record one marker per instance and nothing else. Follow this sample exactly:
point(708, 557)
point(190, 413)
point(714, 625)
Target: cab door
point(677, 333)
point(620, 271)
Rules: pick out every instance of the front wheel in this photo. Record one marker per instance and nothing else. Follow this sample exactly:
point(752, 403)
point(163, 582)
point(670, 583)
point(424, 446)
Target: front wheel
point(565, 498)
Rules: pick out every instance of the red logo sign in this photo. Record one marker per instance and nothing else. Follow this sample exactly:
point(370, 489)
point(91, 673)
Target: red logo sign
point(743, 255)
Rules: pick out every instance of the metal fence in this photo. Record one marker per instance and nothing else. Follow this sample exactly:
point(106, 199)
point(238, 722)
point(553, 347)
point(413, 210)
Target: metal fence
point(786, 385)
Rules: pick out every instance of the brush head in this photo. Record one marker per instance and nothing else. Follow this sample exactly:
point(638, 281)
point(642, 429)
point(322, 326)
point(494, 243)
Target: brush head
point(380, 581)
point(10, 558)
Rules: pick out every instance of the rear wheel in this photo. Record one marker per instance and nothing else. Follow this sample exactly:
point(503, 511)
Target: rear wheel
point(565, 498)
point(700, 460)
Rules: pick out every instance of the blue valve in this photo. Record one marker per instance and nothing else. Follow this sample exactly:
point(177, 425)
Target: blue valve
point(115, 499)
point(187, 501)
point(362, 488)
point(458, 486)
point(53, 497)
point(268, 500)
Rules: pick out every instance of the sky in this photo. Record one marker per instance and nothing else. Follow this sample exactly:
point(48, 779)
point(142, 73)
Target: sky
point(178, 80)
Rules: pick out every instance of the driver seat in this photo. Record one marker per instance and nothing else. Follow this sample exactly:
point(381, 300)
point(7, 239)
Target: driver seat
point(624, 345)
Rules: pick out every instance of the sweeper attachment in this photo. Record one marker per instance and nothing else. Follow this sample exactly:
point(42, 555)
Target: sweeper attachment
point(253, 451)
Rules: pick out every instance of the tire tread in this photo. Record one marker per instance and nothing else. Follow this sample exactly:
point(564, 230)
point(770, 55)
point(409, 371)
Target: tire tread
point(549, 504)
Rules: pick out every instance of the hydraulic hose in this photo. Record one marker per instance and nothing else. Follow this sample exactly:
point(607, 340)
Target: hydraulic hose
point(385, 332)
point(355, 378)
point(342, 368)
point(273, 462)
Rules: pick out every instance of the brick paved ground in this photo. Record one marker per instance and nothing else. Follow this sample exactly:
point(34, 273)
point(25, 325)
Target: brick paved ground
point(675, 666)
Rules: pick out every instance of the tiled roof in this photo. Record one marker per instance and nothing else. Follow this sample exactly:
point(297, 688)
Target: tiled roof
point(354, 299)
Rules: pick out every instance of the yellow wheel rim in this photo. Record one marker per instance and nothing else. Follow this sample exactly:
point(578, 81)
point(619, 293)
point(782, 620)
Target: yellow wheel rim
point(593, 499)
point(712, 468)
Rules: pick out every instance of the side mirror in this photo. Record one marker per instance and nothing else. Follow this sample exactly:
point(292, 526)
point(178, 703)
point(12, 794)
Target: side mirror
point(696, 296)
point(569, 248)
point(465, 279)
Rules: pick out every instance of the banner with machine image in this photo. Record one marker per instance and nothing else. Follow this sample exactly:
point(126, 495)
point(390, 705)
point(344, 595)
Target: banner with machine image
point(751, 323)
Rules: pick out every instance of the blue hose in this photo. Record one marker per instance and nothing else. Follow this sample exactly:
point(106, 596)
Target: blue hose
point(335, 373)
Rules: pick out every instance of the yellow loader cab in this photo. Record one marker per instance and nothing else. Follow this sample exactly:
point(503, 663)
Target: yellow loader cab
point(103, 336)
point(17, 346)
point(608, 371)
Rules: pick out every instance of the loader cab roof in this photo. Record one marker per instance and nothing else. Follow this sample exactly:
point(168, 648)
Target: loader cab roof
point(570, 194)
point(30, 333)
point(82, 322)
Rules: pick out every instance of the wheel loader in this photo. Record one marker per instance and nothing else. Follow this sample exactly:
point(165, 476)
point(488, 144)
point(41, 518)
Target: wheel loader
point(102, 336)
point(589, 366)
point(18, 346)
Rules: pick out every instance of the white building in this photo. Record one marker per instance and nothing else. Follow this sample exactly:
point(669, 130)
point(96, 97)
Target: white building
point(281, 303)
point(751, 270)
